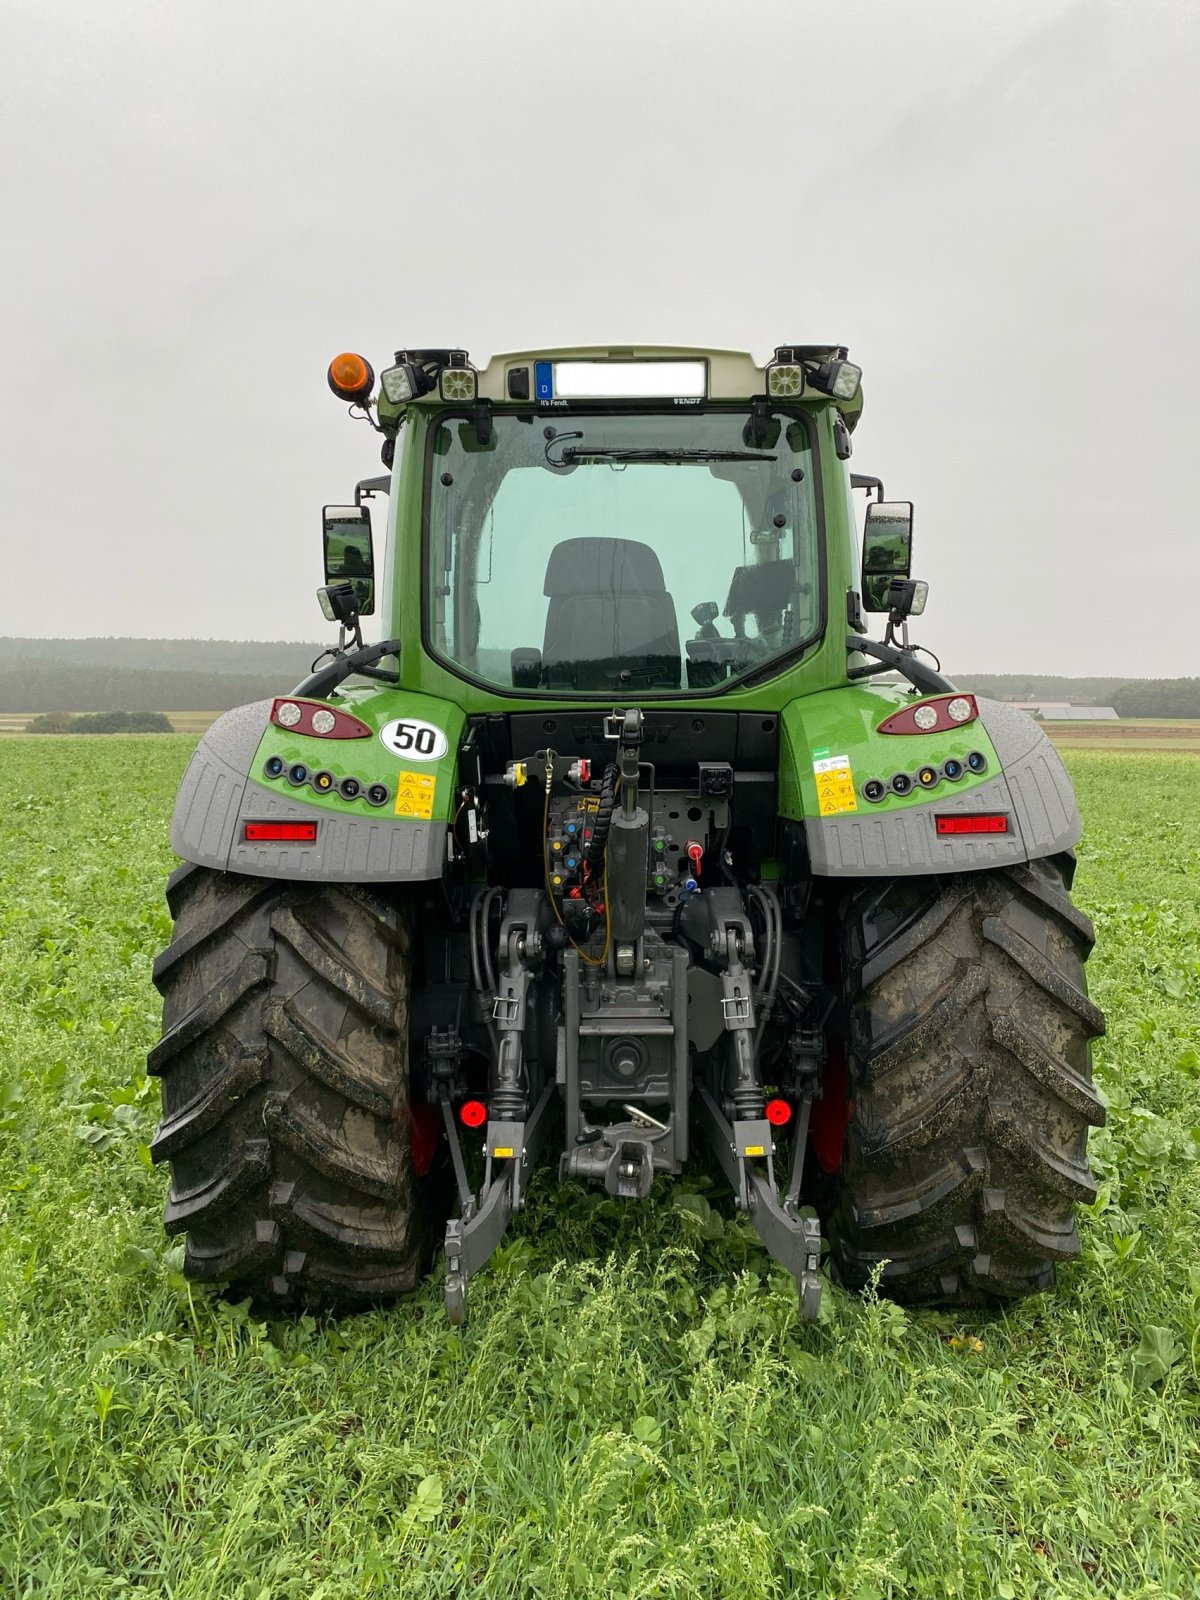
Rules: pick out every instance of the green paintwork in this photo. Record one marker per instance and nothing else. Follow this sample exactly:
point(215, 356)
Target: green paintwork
point(843, 722)
point(368, 760)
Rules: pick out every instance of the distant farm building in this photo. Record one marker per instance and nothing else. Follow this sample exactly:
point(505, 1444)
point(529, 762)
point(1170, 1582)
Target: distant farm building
point(1064, 711)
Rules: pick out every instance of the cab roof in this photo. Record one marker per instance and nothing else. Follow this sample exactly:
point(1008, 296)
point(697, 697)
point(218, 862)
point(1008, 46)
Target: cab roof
point(729, 374)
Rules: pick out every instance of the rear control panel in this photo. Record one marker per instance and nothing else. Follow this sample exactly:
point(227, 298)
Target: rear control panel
point(925, 777)
point(299, 775)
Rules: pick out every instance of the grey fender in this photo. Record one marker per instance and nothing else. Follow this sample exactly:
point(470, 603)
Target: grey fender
point(1032, 789)
point(217, 798)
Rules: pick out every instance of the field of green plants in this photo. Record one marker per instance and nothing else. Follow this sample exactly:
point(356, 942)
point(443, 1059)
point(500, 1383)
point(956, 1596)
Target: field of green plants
point(634, 1409)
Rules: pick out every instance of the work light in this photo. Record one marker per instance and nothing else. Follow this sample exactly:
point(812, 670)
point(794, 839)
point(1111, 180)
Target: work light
point(840, 379)
point(402, 383)
point(457, 383)
point(785, 381)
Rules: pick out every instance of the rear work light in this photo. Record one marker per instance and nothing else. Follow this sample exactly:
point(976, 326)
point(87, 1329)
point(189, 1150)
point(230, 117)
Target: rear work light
point(932, 716)
point(319, 721)
point(280, 832)
point(980, 822)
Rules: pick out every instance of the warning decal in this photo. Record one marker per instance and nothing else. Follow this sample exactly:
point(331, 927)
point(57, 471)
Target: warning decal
point(835, 786)
point(414, 794)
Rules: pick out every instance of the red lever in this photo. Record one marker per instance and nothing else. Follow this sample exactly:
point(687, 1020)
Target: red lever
point(695, 855)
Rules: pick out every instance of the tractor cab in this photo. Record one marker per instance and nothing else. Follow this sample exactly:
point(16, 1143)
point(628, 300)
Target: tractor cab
point(604, 523)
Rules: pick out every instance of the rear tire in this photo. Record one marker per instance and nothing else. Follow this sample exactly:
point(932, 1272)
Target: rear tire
point(968, 1029)
point(284, 1067)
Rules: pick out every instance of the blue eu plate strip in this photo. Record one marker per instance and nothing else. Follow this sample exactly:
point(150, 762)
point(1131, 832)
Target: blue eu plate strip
point(543, 381)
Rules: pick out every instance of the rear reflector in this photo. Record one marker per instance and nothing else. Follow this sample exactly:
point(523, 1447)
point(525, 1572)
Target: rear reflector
point(280, 832)
point(978, 823)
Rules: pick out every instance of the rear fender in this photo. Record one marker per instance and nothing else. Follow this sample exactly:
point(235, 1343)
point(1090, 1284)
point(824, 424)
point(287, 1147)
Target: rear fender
point(228, 783)
point(830, 749)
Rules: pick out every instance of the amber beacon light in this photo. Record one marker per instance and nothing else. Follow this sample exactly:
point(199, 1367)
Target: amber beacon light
point(351, 377)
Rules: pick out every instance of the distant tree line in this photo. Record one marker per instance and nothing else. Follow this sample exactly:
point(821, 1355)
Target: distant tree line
point(1158, 697)
point(100, 722)
point(42, 687)
point(244, 657)
point(1039, 686)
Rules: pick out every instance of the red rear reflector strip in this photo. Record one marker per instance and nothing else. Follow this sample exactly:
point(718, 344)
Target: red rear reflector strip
point(978, 823)
point(281, 832)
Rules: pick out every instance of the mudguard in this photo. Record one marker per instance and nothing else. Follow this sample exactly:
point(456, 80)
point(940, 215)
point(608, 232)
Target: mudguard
point(831, 749)
point(230, 781)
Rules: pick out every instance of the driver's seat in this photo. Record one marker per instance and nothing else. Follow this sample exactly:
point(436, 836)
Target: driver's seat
point(609, 615)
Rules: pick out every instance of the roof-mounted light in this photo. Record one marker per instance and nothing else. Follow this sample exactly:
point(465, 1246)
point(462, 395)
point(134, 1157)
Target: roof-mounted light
point(351, 377)
point(838, 378)
point(457, 384)
point(403, 383)
point(785, 380)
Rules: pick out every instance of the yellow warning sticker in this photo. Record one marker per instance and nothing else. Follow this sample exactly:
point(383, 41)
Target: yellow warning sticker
point(754, 1150)
point(835, 786)
point(502, 1152)
point(414, 794)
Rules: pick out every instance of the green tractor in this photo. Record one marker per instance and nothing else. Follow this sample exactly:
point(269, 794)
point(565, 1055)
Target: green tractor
point(626, 837)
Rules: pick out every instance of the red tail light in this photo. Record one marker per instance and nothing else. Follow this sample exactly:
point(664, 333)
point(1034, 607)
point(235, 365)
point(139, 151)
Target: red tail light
point(937, 715)
point(280, 833)
point(318, 720)
point(980, 822)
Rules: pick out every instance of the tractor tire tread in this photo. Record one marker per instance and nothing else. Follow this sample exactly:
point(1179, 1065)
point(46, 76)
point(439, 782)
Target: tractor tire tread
point(968, 1030)
point(283, 1067)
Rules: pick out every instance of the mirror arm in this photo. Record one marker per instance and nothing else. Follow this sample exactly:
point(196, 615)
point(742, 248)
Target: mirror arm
point(904, 662)
point(370, 486)
point(325, 679)
point(863, 480)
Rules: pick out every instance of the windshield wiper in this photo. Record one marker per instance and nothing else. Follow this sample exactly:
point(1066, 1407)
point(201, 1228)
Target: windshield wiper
point(624, 452)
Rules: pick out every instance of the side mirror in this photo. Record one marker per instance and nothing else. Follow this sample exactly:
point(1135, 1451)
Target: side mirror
point(349, 553)
point(887, 550)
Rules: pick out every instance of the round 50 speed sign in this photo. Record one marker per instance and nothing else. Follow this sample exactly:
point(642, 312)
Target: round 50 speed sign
point(413, 740)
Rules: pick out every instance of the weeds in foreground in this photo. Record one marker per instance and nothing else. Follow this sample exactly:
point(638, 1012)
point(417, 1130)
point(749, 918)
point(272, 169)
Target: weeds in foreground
point(634, 1409)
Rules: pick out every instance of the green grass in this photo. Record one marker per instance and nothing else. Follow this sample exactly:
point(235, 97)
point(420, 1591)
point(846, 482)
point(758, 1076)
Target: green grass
point(634, 1409)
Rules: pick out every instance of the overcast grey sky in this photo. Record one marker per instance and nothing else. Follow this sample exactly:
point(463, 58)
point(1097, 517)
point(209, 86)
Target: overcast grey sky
point(993, 204)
